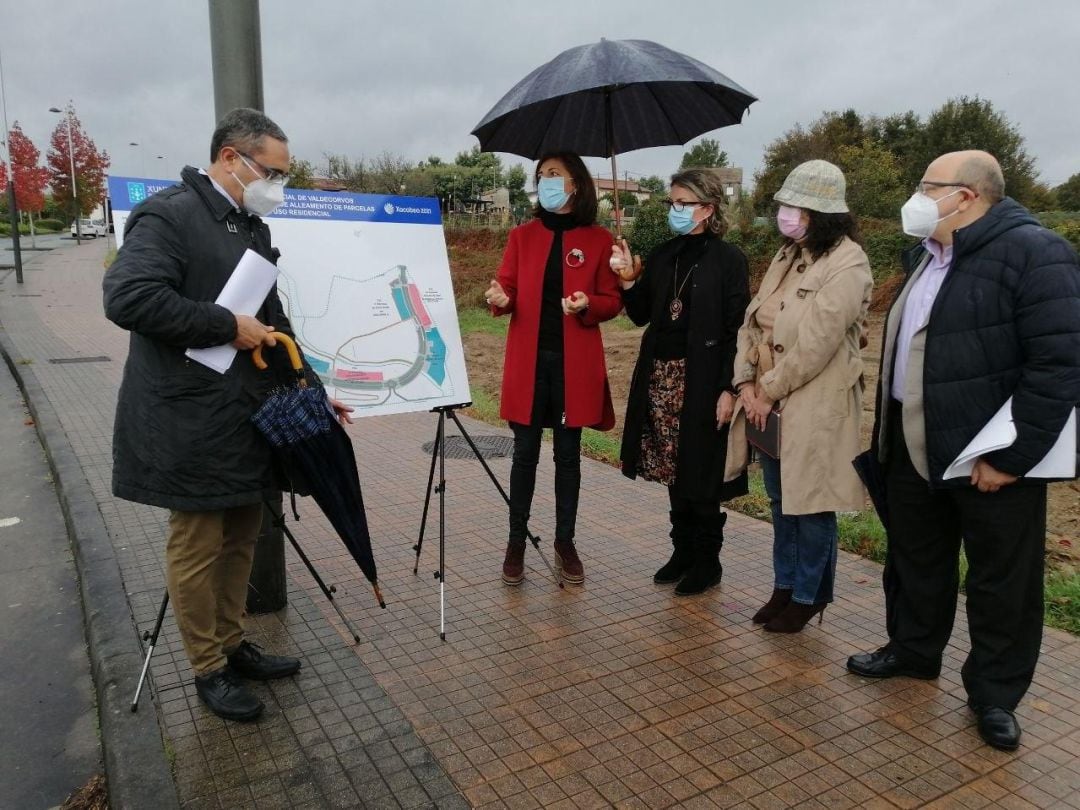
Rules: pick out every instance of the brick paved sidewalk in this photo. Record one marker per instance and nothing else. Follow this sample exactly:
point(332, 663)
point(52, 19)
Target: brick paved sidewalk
point(614, 693)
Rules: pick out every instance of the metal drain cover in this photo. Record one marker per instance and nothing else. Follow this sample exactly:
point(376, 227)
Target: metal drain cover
point(489, 446)
point(97, 359)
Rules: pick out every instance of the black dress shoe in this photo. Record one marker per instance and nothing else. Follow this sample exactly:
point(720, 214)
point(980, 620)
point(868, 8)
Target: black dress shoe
point(886, 664)
point(227, 697)
point(998, 727)
point(249, 661)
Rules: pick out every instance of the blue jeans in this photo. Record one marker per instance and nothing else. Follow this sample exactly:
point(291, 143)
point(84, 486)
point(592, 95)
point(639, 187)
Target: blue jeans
point(804, 546)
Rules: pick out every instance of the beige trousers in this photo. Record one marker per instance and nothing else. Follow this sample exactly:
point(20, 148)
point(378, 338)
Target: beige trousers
point(208, 561)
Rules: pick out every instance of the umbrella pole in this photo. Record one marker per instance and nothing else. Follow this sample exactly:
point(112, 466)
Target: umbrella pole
point(152, 637)
point(328, 591)
point(532, 537)
point(609, 128)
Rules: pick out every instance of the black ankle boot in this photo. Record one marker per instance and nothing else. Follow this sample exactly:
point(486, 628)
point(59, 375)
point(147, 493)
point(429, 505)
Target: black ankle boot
point(682, 532)
point(706, 571)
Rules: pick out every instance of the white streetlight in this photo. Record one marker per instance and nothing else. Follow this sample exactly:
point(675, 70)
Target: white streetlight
point(74, 192)
point(12, 205)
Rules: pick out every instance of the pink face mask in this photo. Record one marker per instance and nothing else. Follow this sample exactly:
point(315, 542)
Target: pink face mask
point(789, 221)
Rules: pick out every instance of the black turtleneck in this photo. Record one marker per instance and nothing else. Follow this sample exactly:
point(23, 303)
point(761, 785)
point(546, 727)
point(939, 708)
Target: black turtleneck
point(551, 314)
point(671, 335)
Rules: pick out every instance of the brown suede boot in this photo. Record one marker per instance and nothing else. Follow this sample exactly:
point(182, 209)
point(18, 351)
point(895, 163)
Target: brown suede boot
point(771, 609)
point(513, 572)
point(794, 617)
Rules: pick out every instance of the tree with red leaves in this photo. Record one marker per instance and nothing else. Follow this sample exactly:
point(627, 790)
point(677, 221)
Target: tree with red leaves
point(30, 178)
point(90, 166)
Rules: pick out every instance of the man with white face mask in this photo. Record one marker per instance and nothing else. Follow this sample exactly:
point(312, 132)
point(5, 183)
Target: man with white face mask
point(990, 310)
point(183, 437)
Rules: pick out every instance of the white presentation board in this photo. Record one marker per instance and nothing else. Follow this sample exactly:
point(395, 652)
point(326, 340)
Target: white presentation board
point(365, 281)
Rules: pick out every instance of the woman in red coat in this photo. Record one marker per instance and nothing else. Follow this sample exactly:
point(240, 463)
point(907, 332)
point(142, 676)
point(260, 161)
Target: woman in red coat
point(556, 285)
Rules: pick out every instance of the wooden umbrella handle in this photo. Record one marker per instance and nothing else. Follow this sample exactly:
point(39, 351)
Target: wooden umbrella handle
point(290, 347)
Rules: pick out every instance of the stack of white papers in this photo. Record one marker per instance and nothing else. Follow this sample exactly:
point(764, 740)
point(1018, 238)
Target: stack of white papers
point(244, 292)
point(1000, 432)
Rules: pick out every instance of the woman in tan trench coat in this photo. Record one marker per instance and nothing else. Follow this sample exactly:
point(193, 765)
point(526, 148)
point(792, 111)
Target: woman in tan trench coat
point(798, 352)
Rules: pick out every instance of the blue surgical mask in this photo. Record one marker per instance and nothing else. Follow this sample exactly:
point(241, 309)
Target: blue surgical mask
point(552, 193)
point(682, 222)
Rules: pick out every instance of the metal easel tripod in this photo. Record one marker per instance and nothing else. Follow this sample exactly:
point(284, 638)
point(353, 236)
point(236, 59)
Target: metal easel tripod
point(328, 591)
point(438, 453)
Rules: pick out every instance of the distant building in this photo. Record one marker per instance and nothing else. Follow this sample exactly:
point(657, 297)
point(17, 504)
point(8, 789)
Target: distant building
point(326, 184)
point(731, 177)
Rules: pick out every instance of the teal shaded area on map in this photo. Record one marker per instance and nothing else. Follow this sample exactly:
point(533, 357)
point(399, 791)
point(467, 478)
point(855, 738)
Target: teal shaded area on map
point(436, 356)
point(401, 300)
point(321, 367)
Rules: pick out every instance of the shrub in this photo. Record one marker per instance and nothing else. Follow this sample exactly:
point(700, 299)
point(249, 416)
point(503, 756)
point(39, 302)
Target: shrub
point(884, 241)
point(54, 225)
point(1070, 230)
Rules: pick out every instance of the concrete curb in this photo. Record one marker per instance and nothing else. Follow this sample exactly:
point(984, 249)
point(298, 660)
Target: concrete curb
point(136, 766)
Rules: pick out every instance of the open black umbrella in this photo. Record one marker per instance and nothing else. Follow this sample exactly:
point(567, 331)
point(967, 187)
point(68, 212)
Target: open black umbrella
point(304, 432)
point(609, 97)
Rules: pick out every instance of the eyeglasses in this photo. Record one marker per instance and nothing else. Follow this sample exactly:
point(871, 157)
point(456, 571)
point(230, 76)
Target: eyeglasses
point(271, 175)
point(680, 206)
point(924, 185)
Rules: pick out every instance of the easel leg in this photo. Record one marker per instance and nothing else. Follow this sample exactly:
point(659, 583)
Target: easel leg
point(532, 538)
point(152, 637)
point(441, 575)
point(427, 498)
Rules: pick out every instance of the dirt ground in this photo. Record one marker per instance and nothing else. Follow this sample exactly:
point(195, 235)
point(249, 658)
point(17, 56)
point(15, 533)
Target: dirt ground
point(484, 354)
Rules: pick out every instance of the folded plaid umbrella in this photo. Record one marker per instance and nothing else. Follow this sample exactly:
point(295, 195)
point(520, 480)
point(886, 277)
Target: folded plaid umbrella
point(304, 432)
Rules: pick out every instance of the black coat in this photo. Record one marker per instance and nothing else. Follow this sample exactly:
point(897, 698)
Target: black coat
point(721, 293)
point(183, 438)
point(1006, 322)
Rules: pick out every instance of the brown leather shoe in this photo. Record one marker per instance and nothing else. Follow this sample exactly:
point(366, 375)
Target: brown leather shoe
point(568, 562)
point(513, 572)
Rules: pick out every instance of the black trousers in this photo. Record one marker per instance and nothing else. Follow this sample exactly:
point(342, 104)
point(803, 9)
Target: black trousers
point(1004, 536)
point(548, 406)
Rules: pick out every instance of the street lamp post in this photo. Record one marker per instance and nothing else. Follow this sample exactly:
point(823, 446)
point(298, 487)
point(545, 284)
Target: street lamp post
point(13, 211)
point(74, 191)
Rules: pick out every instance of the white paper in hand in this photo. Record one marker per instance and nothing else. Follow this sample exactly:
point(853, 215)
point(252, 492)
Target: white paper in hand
point(243, 294)
point(1000, 432)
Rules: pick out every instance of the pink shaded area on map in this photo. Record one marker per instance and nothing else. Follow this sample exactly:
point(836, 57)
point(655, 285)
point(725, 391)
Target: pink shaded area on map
point(367, 376)
point(418, 305)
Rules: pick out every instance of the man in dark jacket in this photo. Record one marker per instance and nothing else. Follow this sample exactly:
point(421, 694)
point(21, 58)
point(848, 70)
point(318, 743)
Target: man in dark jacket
point(183, 438)
point(990, 311)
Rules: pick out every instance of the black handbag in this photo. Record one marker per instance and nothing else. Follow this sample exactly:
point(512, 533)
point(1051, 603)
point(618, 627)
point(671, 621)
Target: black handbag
point(767, 440)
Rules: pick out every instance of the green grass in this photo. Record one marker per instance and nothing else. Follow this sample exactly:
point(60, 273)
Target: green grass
point(601, 446)
point(1062, 606)
point(862, 533)
point(474, 319)
point(110, 257)
point(485, 407)
point(756, 503)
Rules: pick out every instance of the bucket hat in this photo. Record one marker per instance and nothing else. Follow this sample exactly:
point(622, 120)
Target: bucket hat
point(816, 185)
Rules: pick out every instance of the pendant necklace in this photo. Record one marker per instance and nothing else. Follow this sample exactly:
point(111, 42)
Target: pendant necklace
point(676, 305)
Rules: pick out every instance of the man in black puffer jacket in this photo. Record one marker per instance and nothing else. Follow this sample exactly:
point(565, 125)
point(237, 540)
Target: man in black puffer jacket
point(990, 311)
point(183, 437)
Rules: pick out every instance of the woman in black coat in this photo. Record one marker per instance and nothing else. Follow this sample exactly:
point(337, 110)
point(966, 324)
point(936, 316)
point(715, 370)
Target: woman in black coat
point(692, 292)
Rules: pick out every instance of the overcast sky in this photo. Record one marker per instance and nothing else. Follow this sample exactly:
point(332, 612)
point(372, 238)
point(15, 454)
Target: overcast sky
point(356, 77)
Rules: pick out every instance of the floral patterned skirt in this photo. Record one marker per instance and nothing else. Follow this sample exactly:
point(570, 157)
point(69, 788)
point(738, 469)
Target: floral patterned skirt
point(660, 436)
